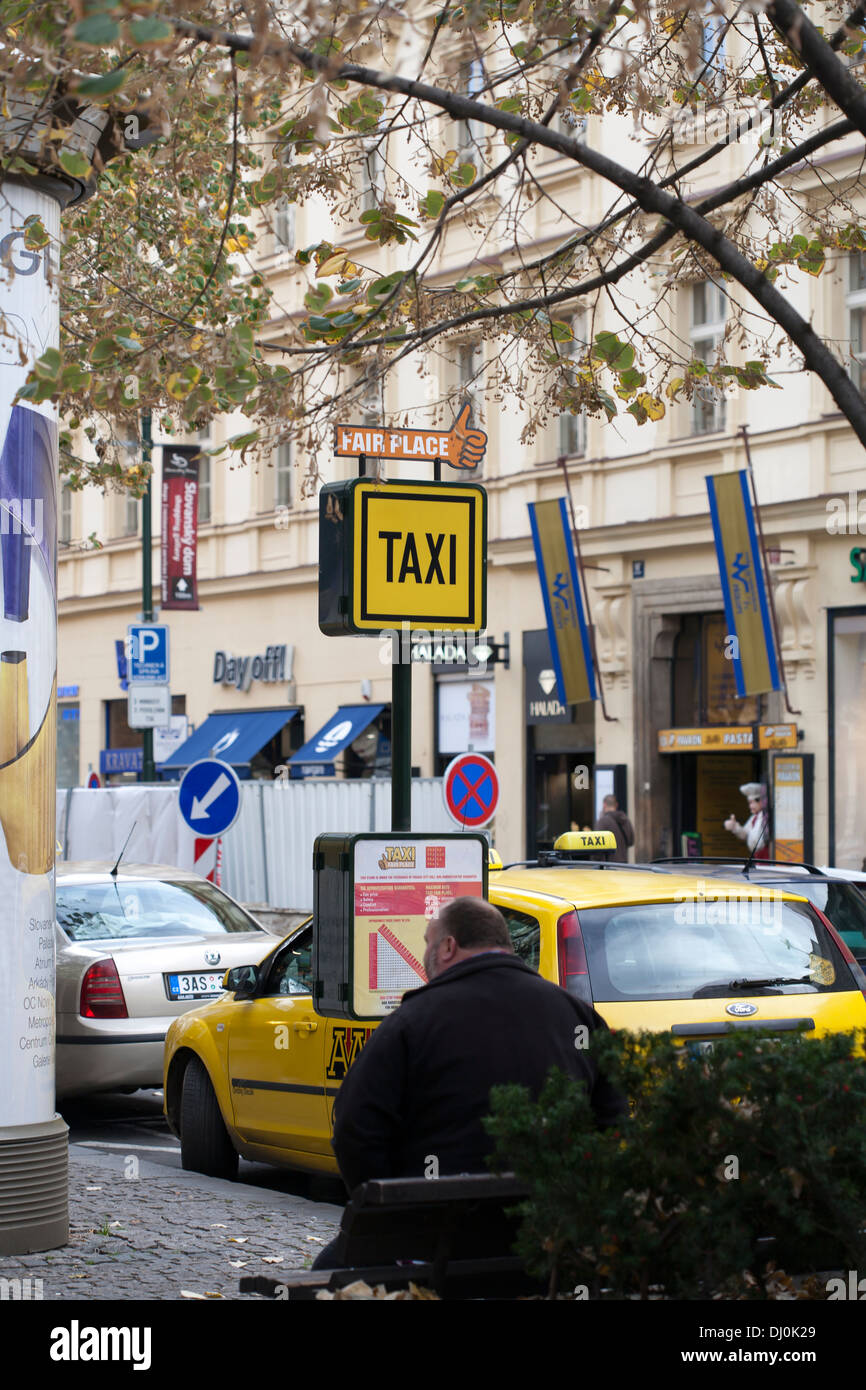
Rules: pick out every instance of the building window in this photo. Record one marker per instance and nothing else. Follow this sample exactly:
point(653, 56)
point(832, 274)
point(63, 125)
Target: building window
point(372, 175)
point(471, 134)
point(284, 471)
point(572, 428)
point(204, 490)
point(470, 366)
point(848, 734)
point(710, 60)
point(709, 306)
point(856, 304)
point(64, 519)
point(284, 225)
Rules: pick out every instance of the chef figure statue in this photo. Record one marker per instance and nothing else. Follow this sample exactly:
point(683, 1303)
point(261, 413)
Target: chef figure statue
point(756, 831)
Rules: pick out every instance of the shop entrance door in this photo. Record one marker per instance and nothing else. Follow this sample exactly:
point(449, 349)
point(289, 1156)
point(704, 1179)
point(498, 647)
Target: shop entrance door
point(561, 799)
point(706, 790)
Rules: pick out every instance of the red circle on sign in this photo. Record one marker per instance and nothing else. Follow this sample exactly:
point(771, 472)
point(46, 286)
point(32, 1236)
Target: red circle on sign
point(93, 780)
point(471, 790)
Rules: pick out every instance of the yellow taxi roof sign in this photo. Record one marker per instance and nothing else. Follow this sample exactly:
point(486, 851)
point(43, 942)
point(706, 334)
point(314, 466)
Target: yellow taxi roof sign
point(494, 861)
point(586, 842)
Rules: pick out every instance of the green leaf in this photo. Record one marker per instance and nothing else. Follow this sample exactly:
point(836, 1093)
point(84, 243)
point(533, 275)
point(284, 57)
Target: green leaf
point(432, 203)
point(150, 30)
point(318, 297)
point(465, 175)
point(97, 31)
point(48, 365)
point(35, 235)
point(561, 332)
point(76, 164)
point(102, 86)
point(610, 349)
point(131, 344)
point(379, 289)
point(348, 286)
point(103, 350)
point(243, 441)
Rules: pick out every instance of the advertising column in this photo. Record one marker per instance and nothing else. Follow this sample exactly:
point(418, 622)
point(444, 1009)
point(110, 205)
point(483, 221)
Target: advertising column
point(33, 1140)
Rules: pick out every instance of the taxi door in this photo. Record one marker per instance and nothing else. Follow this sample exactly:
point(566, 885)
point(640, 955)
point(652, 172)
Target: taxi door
point(343, 1042)
point(276, 1059)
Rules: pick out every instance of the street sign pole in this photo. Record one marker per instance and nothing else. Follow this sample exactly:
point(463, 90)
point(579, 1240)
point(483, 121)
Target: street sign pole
point(401, 741)
point(148, 769)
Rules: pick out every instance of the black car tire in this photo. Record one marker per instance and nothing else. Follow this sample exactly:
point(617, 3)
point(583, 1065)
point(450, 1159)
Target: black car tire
point(205, 1146)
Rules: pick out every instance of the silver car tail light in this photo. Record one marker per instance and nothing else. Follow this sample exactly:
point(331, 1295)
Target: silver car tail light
point(102, 992)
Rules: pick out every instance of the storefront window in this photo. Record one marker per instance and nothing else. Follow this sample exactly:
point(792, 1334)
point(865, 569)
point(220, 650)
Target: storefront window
point(848, 733)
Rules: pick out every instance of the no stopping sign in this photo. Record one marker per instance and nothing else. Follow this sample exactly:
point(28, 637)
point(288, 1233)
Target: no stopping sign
point(470, 789)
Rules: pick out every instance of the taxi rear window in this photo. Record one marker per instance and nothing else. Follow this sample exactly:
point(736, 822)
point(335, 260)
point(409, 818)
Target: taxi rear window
point(693, 950)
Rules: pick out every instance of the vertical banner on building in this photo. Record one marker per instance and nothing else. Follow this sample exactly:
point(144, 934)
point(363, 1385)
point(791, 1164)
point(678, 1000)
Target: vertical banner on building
point(28, 668)
point(563, 605)
point(180, 526)
point(753, 652)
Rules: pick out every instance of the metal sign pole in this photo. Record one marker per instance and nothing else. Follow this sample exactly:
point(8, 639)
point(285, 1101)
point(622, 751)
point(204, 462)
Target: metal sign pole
point(401, 740)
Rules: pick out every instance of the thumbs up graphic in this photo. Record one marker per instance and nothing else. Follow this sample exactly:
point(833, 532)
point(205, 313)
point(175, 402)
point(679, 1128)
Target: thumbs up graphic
point(466, 445)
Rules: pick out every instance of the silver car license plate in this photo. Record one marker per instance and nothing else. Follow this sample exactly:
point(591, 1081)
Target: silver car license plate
point(203, 986)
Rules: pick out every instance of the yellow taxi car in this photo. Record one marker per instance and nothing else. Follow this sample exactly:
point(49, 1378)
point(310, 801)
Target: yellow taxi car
point(256, 1072)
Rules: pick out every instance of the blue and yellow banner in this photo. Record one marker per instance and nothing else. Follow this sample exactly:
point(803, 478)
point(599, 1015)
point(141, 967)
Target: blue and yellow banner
point(747, 610)
point(563, 606)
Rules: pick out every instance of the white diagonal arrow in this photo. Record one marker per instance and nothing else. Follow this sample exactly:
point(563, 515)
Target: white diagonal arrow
point(200, 807)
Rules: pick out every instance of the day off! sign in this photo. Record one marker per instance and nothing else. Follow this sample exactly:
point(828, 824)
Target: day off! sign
point(395, 553)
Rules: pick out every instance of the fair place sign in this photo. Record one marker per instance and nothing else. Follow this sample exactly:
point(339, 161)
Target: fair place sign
point(463, 446)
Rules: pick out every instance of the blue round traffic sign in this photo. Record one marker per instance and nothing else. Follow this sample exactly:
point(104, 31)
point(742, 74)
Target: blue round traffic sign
point(209, 797)
point(471, 790)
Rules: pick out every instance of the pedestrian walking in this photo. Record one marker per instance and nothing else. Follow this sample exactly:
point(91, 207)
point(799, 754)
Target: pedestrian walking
point(615, 820)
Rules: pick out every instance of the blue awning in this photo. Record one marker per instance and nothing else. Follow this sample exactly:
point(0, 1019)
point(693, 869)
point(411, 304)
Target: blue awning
point(341, 729)
point(236, 738)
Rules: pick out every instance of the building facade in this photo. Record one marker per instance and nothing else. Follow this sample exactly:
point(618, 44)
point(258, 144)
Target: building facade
point(671, 739)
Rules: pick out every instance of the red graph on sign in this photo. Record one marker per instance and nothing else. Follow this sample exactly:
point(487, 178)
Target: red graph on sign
point(392, 965)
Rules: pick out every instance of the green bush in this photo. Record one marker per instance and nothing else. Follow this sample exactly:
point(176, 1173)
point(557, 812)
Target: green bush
point(730, 1163)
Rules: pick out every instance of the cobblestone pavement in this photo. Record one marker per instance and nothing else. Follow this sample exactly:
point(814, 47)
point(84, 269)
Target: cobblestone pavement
point(168, 1234)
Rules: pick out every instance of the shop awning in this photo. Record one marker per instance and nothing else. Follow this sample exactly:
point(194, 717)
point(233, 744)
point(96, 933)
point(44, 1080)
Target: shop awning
point(341, 730)
point(236, 738)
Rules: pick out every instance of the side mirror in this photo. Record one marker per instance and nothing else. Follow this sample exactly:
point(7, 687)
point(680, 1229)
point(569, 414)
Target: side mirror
point(241, 981)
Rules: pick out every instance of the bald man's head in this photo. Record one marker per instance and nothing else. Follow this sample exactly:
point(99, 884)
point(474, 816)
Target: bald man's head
point(464, 927)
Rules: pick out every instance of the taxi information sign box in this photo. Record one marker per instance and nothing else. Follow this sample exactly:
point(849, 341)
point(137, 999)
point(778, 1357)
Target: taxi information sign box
point(374, 895)
point(402, 553)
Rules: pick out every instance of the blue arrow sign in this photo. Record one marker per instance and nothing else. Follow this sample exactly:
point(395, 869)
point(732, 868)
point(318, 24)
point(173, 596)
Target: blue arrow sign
point(148, 653)
point(209, 797)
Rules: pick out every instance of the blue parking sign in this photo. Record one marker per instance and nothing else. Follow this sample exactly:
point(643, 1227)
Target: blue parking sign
point(147, 652)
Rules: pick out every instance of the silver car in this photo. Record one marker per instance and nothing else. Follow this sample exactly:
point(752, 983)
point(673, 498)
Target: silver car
point(135, 948)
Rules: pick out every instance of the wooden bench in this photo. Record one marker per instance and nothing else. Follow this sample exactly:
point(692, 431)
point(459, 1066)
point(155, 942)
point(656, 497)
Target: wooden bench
point(450, 1234)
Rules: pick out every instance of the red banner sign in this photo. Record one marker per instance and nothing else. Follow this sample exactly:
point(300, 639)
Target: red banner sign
point(179, 526)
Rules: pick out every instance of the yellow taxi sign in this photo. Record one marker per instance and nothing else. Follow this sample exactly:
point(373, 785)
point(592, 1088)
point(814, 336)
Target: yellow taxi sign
point(585, 842)
point(402, 553)
point(494, 860)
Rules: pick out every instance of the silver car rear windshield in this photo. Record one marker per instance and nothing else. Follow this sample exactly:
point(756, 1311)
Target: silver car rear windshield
point(709, 949)
point(133, 908)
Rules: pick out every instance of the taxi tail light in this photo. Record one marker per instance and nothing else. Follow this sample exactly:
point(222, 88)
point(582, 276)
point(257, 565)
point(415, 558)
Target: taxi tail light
point(102, 992)
point(573, 972)
point(845, 951)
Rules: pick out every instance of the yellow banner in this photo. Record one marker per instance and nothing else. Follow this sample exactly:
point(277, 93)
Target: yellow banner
point(560, 587)
point(753, 653)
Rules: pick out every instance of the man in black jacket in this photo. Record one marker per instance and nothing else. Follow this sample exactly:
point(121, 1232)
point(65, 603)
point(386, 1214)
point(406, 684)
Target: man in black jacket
point(412, 1103)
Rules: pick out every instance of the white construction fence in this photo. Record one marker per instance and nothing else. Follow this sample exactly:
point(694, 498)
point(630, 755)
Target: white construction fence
point(267, 856)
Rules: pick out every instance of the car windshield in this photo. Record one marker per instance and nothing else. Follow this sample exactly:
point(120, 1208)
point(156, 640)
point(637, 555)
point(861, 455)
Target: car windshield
point(132, 908)
point(708, 948)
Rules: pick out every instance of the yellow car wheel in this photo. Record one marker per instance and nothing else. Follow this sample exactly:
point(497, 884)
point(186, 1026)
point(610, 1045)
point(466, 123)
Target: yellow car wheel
point(205, 1146)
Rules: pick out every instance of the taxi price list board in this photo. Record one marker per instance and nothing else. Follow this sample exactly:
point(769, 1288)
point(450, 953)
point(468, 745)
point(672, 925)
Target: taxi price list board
point(399, 884)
